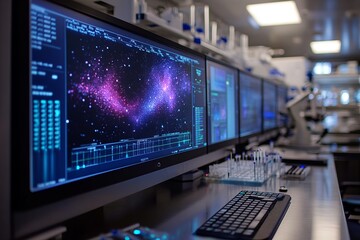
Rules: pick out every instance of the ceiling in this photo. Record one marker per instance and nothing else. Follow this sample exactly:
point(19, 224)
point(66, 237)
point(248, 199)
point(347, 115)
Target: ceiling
point(321, 20)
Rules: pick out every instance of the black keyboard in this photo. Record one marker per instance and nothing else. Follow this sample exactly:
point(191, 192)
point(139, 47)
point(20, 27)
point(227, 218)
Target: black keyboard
point(249, 215)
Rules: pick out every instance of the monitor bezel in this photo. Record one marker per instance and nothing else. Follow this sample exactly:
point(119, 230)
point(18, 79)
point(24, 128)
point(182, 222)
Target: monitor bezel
point(233, 141)
point(22, 197)
point(244, 139)
point(275, 84)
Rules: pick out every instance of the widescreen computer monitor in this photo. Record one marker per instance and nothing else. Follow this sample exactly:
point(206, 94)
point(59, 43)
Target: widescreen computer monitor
point(250, 105)
point(282, 115)
point(223, 117)
point(98, 101)
point(269, 106)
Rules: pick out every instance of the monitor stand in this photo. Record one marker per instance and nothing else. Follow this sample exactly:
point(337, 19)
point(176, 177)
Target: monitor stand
point(53, 233)
point(190, 176)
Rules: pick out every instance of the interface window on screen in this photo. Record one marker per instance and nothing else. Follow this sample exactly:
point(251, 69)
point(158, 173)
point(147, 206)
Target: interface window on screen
point(270, 108)
point(251, 105)
point(223, 113)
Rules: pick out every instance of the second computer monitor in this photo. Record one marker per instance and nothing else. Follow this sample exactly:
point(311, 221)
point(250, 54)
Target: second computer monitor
point(223, 122)
point(269, 107)
point(251, 105)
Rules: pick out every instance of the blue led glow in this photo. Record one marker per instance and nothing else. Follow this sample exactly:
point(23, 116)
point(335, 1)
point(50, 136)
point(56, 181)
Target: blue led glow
point(137, 232)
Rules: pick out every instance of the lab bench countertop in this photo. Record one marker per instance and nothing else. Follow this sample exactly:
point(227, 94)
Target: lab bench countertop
point(315, 211)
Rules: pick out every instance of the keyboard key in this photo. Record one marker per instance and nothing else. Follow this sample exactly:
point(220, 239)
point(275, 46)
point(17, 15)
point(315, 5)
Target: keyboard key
point(260, 215)
point(254, 224)
point(248, 232)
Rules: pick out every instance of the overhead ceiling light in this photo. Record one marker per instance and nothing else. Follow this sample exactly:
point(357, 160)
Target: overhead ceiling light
point(321, 47)
point(275, 13)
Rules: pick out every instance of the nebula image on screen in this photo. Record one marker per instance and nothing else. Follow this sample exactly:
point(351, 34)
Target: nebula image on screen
point(119, 92)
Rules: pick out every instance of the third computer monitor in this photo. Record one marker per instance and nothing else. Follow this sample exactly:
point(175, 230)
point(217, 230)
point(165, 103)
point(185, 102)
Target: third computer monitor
point(223, 122)
point(269, 106)
point(250, 105)
point(281, 105)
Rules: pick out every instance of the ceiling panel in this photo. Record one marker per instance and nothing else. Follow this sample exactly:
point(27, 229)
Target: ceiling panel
point(321, 20)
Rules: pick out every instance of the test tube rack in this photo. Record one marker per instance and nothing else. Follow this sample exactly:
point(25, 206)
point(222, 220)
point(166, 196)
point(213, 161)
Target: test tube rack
point(253, 168)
